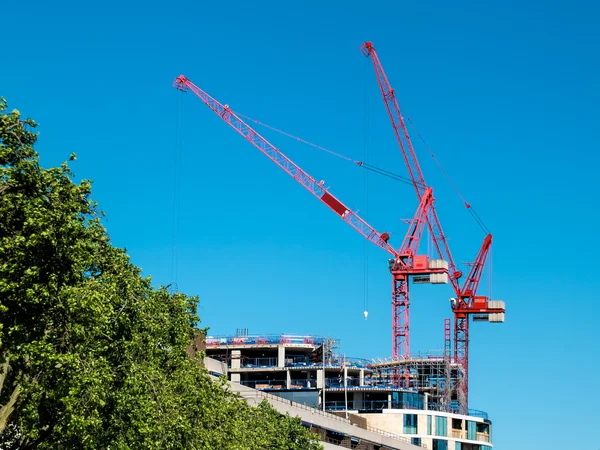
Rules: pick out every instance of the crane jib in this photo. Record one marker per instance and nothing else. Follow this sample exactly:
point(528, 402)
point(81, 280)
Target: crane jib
point(334, 203)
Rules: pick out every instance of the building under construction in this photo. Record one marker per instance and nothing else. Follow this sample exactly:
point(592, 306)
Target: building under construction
point(414, 399)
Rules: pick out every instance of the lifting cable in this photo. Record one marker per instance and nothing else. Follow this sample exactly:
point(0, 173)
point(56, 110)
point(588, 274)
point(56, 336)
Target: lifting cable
point(362, 164)
point(293, 137)
point(467, 205)
point(379, 170)
point(177, 168)
point(366, 192)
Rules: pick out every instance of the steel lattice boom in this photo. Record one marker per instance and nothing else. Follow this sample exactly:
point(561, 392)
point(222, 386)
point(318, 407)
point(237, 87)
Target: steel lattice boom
point(311, 185)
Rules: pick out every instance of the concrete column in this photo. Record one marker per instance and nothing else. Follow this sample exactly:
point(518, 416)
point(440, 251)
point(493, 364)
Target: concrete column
point(235, 359)
point(361, 377)
point(236, 363)
point(389, 401)
point(288, 379)
point(320, 379)
point(426, 401)
point(422, 424)
point(281, 356)
point(357, 398)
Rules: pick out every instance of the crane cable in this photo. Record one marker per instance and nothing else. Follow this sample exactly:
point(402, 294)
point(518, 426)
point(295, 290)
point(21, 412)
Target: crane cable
point(177, 168)
point(362, 164)
point(293, 137)
point(366, 194)
point(379, 170)
point(467, 205)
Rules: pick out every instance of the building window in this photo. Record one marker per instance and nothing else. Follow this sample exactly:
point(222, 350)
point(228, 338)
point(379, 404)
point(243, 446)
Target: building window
point(416, 441)
point(429, 425)
point(483, 427)
point(458, 445)
point(441, 426)
point(471, 430)
point(410, 424)
point(440, 444)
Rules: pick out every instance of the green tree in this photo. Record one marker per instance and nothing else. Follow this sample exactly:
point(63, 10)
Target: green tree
point(93, 356)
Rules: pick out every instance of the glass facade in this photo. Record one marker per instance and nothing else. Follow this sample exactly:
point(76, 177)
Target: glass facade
point(441, 426)
point(410, 424)
point(471, 430)
point(439, 444)
point(408, 400)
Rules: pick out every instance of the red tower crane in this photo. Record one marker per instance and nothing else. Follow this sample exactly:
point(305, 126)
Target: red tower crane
point(466, 302)
point(405, 262)
point(481, 308)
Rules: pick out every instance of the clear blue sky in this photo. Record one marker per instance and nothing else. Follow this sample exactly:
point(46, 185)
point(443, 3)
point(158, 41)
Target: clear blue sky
point(506, 93)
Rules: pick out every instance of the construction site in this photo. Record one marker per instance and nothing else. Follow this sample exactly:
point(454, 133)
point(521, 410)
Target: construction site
point(421, 399)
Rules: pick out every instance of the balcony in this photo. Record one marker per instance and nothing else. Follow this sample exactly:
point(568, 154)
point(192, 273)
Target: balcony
point(458, 434)
point(483, 437)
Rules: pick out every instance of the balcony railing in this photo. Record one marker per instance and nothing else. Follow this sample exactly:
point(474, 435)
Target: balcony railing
point(458, 434)
point(265, 384)
point(303, 384)
point(259, 362)
point(212, 341)
point(455, 410)
point(484, 437)
point(280, 384)
point(384, 404)
point(332, 383)
point(363, 405)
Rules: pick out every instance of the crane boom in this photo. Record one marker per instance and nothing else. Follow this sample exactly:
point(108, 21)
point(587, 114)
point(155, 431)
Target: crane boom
point(410, 158)
point(471, 283)
point(309, 183)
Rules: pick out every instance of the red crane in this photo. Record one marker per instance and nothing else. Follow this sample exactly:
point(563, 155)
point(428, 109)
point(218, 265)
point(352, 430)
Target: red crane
point(467, 302)
point(405, 262)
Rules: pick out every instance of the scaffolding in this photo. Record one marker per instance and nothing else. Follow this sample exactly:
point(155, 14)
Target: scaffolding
point(434, 375)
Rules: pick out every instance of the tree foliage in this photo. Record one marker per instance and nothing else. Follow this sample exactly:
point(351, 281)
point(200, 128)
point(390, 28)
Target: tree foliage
point(93, 356)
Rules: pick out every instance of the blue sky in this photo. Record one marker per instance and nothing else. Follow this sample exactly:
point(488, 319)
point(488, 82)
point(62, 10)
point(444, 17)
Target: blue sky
point(505, 93)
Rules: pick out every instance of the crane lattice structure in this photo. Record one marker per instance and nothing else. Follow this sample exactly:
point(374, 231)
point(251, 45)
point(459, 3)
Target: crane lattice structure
point(466, 302)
